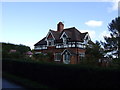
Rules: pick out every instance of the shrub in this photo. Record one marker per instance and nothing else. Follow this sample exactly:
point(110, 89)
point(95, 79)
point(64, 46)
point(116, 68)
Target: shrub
point(115, 63)
point(60, 75)
point(43, 57)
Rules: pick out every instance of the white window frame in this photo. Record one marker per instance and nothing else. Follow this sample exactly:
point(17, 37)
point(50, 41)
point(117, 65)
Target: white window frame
point(64, 39)
point(63, 34)
point(68, 53)
point(82, 54)
point(52, 40)
point(55, 57)
point(66, 61)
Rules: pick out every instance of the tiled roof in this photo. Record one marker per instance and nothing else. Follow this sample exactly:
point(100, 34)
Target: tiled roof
point(41, 42)
point(56, 34)
point(72, 33)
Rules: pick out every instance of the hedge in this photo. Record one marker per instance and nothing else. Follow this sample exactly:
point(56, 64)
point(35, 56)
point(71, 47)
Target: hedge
point(25, 83)
point(64, 76)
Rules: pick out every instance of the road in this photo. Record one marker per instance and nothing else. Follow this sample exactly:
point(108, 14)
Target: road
point(9, 84)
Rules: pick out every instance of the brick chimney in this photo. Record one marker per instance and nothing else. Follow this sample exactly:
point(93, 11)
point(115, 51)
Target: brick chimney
point(60, 27)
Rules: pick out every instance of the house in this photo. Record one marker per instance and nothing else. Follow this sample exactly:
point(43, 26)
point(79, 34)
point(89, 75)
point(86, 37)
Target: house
point(29, 54)
point(12, 51)
point(104, 61)
point(66, 45)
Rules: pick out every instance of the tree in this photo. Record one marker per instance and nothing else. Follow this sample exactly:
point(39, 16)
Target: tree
point(20, 50)
point(112, 43)
point(43, 56)
point(94, 53)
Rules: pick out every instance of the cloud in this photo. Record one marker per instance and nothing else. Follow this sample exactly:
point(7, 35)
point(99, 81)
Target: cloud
point(118, 5)
point(103, 34)
point(91, 33)
point(94, 23)
point(114, 6)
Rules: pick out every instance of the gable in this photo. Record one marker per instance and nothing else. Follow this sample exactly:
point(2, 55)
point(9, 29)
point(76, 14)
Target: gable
point(73, 34)
point(87, 37)
point(63, 35)
point(50, 36)
point(66, 51)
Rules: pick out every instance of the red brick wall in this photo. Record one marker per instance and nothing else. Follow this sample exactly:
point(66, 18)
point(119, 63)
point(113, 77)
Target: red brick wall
point(53, 50)
point(73, 60)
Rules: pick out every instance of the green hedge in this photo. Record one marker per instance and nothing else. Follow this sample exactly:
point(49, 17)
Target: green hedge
point(25, 83)
point(66, 76)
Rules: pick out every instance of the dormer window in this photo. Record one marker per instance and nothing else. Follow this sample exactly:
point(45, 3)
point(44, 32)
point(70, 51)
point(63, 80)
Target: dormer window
point(50, 39)
point(50, 42)
point(64, 38)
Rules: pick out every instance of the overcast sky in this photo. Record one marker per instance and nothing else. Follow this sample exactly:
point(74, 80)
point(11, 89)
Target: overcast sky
point(28, 22)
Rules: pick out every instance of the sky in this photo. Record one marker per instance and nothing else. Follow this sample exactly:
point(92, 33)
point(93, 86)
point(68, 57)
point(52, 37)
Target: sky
point(28, 22)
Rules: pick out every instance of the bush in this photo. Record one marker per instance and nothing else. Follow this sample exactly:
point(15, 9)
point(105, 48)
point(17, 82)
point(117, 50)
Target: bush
point(89, 62)
point(115, 63)
point(20, 50)
point(43, 57)
point(15, 55)
point(64, 76)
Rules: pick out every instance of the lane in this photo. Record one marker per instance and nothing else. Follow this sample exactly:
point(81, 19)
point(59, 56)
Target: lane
point(0, 83)
point(9, 84)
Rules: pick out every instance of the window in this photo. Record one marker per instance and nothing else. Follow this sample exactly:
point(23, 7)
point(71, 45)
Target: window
point(66, 58)
point(50, 42)
point(82, 55)
point(37, 52)
point(50, 39)
point(64, 39)
point(57, 56)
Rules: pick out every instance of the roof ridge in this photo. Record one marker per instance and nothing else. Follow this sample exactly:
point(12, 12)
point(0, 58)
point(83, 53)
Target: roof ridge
point(52, 30)
point(70, 28)
point(84, 32)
